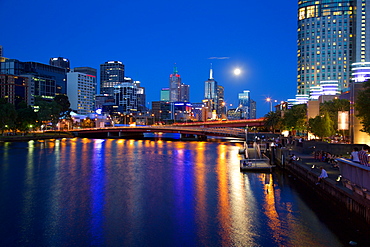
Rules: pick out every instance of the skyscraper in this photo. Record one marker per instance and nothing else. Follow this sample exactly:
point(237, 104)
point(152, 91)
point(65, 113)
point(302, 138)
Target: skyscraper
point(165, 94)
point(331, 36)
point(111, 73)
point(60, 62)
point(81, 92)
point(245, 104)
point(211, 91)
point(175, 85)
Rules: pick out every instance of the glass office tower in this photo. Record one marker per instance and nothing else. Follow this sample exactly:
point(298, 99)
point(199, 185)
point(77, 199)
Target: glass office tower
point(112, 73)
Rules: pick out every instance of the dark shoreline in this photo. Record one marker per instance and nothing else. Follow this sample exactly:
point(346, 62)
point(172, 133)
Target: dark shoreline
point(38, 136)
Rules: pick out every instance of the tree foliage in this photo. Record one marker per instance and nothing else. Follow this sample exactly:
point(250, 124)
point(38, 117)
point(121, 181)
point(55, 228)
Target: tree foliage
point(26, 117)
point(362, 107)
point(8, 115)
point(295, 118)
point(332, 107)
point(63, 102)
point(273, 121)
point(48, 112)
point(321, 126)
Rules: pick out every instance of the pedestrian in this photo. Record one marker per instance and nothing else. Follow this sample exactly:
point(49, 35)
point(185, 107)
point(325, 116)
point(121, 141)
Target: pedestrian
point(354, 155)
point(363, 155)
point(323, 175)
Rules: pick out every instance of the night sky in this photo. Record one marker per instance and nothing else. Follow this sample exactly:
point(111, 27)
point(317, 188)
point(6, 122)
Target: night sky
point(150, 36)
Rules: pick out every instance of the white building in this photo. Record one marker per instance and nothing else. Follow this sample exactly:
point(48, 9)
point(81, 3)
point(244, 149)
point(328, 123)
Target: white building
point(81, 92)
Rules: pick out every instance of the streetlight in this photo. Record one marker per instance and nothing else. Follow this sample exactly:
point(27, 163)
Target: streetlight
point(268, 99)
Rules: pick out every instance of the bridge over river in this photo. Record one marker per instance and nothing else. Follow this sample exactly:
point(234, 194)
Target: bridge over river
point(200, 133)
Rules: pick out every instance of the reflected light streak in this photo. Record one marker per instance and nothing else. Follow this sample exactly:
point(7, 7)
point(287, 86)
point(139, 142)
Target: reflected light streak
point(273, 218)
point(200, 185)
point(223, 197)
point(240, 201)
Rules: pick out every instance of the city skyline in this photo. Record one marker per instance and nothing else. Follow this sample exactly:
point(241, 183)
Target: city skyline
point(149, 38)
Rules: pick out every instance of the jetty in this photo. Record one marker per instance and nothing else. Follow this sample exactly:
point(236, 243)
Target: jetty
point(255, 158)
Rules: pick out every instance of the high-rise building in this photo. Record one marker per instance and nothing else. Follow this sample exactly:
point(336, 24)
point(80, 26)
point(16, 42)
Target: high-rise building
point(211, 91)
point(14, 88)
point(81, 92)
point(60, 62)
point(1, 51)
point(125, 95)
point(331, 36)
point(244, 104)
point(165, 94)
point(49, 80)
point(221, 107)
point(86, 70)
point(214, 97)
point(175, 86)
point(184, 93)
point(111, 73)
point(253, 110)
point(141, 97)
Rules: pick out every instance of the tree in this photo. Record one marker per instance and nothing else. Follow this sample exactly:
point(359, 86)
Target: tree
point(63, 102)
point(332, 107)
point(87, 123)
point(362, 107)
point(321, 126)
point(273, 120)
point(26, 117)
point(295, 118)
point(48, 112)
point(8, 115)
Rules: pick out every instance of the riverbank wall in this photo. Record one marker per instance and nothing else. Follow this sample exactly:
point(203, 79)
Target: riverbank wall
point(34, 136)
point(306, 169)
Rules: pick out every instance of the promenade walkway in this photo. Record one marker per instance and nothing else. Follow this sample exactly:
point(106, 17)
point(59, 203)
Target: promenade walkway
point(309, 162)
point(308, 168)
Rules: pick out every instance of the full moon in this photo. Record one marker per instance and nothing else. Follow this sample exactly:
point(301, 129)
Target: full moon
point(237, 71)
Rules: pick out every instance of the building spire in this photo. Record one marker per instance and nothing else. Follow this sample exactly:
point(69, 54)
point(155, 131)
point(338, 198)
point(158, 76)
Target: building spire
point(175, 69)
point(211, 73)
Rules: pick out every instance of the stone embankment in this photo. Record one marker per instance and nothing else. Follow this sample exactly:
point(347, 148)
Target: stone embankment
point(340, 191)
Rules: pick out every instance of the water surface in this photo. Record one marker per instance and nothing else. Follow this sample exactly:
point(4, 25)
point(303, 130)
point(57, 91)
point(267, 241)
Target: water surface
point(96, 192)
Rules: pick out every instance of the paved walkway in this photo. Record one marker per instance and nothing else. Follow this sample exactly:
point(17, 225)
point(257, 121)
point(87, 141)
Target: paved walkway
point(309, 162)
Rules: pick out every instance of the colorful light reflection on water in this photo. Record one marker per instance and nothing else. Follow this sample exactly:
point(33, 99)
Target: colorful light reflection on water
point(82, 192)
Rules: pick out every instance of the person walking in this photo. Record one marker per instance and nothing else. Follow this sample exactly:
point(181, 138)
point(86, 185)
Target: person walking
point(363, 155)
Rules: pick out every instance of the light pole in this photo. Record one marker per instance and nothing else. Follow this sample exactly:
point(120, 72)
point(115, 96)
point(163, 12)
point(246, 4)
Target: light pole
point(270, 101)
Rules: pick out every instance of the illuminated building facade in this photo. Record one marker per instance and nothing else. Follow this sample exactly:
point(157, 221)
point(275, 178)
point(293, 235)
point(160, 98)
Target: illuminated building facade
point(214, 97)
point(211, 91)
point(111, 73)
point(14, 88)
point(81, 92)
point(53, 80)
point(165, 94)
point(331, 36)
point(178, 91)
point(247, 106)
point(125, 95)
point(175, 84)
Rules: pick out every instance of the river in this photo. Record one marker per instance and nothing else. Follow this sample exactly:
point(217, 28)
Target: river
point(116, 192)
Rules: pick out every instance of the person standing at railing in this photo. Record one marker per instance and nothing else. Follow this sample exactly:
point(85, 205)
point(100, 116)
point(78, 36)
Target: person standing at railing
point(363, 155)
point(354, 155)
